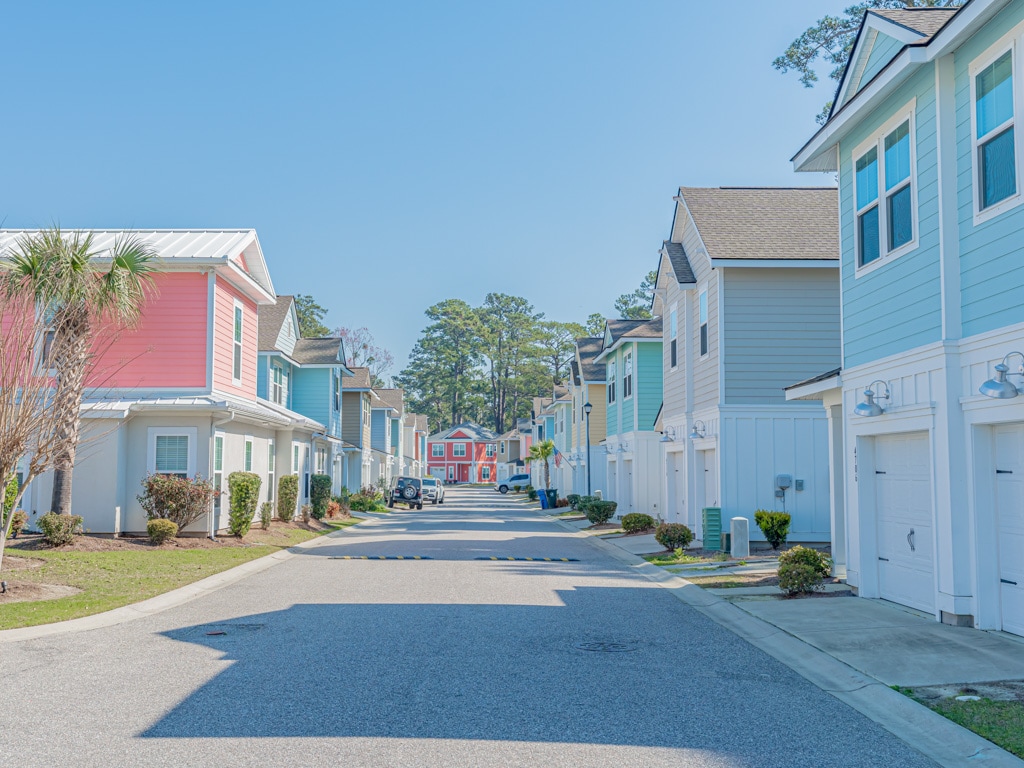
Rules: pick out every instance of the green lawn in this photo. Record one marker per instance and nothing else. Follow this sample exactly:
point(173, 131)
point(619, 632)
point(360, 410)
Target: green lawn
point(111, 579)
point(1001, 722)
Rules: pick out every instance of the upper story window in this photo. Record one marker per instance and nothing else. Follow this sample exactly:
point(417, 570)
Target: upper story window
point(994, 137)
point(277, 384)
point(336, 382)
point(459, 449)
point(236, 346)
point(672, 333)
point(884, 191)
point(703, 309)
point(611, 382)
point(627, 375)
point(437, 449)
point(490, 449)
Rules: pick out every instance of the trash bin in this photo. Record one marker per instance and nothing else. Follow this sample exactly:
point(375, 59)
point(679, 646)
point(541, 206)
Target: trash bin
point(543, 500)
point(552, 494)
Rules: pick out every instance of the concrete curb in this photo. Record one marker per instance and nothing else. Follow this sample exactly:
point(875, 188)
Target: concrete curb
point(170, 599)
point(945, 742)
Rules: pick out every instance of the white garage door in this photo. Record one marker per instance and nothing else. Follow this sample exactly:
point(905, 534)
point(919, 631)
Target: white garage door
point(903, 502)
point(1010, 524)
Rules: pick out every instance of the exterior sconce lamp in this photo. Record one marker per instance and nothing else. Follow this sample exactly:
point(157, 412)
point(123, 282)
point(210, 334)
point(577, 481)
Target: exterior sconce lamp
point(999, 387)
point(669, 435)
point(699, 430)
point(869, 407)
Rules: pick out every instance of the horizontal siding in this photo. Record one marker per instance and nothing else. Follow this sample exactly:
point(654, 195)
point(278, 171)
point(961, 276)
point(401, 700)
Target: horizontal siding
point(351, 417)
point(627, 407)
point(675, 380)
point(598, 397)
point(896, 307)
point(649, 385)
point(705, 369)
point(781, 326)
point(223, 330)
point(378, 430)
point(992, 280)
point(311, 394)
point(882, 52)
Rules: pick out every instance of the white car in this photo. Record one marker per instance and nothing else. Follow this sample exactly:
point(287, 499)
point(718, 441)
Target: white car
point(433, 490)
point(504, 486)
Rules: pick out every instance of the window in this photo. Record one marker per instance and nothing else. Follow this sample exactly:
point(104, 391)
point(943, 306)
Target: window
point(321, 461)
point(218, 471)
point(703, 310)
point(867, 207)
point(486, 473)
point(458, 449)
point(611, 381)
point(277, 386)
point(672, 328)
point(437, 450)
point(490, 449)
point(627, 375)
point(236, 366)
point(247, 462)
point(172, 451)
point(994, 136)
point(271, 466)
point(502, 449)
point(295, 459)
point(336, 380)
point(366, 413)
point(451, 474)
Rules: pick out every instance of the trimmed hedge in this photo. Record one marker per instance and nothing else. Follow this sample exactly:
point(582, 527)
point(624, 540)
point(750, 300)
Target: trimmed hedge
point(774, 526)
point(319, 495)
point(266, 515)
point(573, 499)
point(819, 561)
point(59, 530)
point(287, 496)
point(673, 536)
point(244, 488)
point(636, 522)
point(160, 529)
point(599, 511)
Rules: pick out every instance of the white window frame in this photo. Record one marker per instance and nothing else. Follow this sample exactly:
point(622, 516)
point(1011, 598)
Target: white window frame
point(247, 454)
point(271, 469)
point(296, 458)
point(218, 472)
point(490, 449)
point(192, 433)
point(434, 454)
point(455, 450)
point(321, 460)
point(1009, 42)
point(673, 337)
point(336, 390)
point(703, 343)
point(277, 383)
point(907, 113)
point(627, 375)
point(485, 473)
point(237, 317)
point(610, 380)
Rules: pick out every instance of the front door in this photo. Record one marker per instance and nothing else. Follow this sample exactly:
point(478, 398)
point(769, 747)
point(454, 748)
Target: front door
point(451, 474)
point(710, 479)
point(1009, 455)
point(627, 487)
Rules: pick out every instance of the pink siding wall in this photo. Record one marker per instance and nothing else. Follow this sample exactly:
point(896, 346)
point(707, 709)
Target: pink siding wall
point(168, 348)
point(223, 328)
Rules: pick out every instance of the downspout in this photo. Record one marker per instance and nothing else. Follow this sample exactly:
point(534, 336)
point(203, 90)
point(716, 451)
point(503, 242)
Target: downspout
point(212, 533)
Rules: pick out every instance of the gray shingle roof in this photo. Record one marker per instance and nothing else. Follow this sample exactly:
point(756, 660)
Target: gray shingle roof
point(680, 264)
point(588, 348)
point(395, 398)
point(417, 421)
point(475, 432)
point(815, 379)
point(360, 379)
point(635, 329)
point(318, 351)
point(926, 21)
point(766, 223)
point(271, 318)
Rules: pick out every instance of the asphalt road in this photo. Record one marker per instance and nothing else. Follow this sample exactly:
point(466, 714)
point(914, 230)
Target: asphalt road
point(448, 661)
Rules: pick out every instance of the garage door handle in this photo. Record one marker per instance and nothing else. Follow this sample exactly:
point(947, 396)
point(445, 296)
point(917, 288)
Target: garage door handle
point(1007, 581)
point(1004, 471)
point(886, 559)
point(879, 472)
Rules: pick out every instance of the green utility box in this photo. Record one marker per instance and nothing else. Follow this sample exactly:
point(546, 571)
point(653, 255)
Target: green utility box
point(712, 522)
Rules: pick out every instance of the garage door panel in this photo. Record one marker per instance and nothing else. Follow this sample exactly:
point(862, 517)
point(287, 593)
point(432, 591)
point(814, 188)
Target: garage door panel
point(1009, 453)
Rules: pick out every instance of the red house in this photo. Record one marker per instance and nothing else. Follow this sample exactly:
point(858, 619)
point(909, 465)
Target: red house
point(466, 453)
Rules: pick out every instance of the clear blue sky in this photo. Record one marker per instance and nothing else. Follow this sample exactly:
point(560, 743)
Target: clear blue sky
point(392, 155)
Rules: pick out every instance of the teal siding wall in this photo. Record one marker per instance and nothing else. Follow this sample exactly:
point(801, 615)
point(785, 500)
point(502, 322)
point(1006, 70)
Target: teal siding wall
point(396, 432)
point(648, 372)
point(311, 393)
point(262, 382)
point(992, 279)
point(613, 408)
point(896, 307)
point(882, 52)
point(626, 406)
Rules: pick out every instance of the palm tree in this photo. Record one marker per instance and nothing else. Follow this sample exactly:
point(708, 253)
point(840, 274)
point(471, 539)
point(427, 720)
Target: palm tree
point(543, 451)
point(83, 292)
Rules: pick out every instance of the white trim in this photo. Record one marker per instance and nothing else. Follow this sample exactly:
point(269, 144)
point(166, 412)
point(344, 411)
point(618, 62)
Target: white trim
point(907, 113)
point(192, 433)
point(1008, 42)
point(237, 312)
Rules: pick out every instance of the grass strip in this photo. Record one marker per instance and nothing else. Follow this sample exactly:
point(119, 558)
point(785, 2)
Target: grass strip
point(1001, 722)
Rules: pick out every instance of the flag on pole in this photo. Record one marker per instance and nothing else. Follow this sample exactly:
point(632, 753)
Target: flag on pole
point(559, 457)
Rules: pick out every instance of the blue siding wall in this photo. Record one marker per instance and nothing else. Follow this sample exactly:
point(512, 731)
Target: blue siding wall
point(882, 52)
point(396, 432)
point(378, 432)
point(262, 386)
point(311, 393)
point(897, 307)
point(992, 279)
point(649, 370)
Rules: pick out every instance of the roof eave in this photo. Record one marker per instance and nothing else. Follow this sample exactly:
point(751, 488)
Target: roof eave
point(829, 263)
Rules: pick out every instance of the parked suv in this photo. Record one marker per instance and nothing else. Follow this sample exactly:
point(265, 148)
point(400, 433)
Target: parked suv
point(406, 490)
point(433, 490)
point(503, 486)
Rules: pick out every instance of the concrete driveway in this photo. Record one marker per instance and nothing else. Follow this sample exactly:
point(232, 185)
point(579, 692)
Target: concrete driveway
point(561, 656)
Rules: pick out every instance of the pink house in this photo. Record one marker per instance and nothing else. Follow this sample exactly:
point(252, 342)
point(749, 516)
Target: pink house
point(178, 393)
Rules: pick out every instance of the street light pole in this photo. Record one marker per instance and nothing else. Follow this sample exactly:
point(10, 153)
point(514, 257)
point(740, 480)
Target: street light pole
point(587, 408)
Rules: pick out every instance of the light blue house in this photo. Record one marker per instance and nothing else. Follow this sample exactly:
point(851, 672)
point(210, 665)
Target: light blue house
point(928, 433)
point(304, 375)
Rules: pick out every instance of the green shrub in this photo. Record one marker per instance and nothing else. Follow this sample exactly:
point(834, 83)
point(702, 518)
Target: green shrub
point(796, 578)
point(19, 520)
point(599, 511)
point(530, 488)
point(819, 561)
point(182, 500)
point(160, 529)
point(320, 495)
point(266, 515)
point(774, 526)
point(287, 495)
point(244, 489)
point(532, 494)
point(673, 536)
point(361, 502)
point(636, 522)
point(59, 530)
point(573, 499)
point(10, 494)
point(516, 488)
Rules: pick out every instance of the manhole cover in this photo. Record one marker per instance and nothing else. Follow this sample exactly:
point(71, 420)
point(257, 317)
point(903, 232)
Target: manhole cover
point(605, 647)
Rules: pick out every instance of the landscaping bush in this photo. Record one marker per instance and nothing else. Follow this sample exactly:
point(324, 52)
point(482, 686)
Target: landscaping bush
point(320, 494)
point(516, 488)
point(584, 502)
point(287, 495)
point(182, 500)
point(361, 502)
point(266, 515)
point(819, 561)
point(673, 536)
point(10, 494)
point(307, 512)
point(244, 489)
point(797, 578)
point(573, 499)
point(20, 521)
point(160, 529)
point(532, 494)
point(636, 522)
point(333, 508)
point(774, 526)
point(599, 511)
point(59, 530)
point(560, 503)
point(530, 488)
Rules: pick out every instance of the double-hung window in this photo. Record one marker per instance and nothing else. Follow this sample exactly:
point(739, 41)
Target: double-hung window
point(247, 459)
point(672, 328)
point(236, 345)
point(995, 156)
point(336, 378)
point(611, 381)
point(459, 449)
point(271, 469)
point(437, 450)
point(884, 191)
point(218, 471)
point(277, 389)
point(627, 375)
point(703, 317)
point(490, 449)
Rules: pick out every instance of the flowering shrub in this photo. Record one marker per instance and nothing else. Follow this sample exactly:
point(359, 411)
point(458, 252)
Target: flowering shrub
point(819, 561)
point(182, 500)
